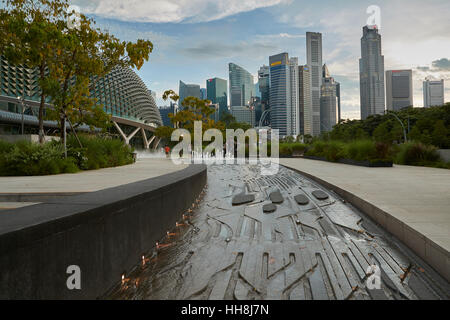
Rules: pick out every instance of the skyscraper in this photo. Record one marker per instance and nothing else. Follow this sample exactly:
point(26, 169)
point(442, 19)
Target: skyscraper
point(280, 93)
point(328, 101)
point(241, 85)
point(314, 63)
point(188, 90)
point(305, 100)
point(293, 112)
point(399, 89)
point(216, 90)
point(338, 94)
point(264, 88)
point(203, 94)
point(433, 93)
point(371, 73)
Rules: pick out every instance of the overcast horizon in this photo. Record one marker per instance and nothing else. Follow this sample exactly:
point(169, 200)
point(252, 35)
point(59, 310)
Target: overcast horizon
point(194, 40)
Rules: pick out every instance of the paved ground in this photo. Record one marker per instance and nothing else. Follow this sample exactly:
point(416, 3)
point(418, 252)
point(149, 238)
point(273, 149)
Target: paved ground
point(417, 196)
point(13, 190)
point(313, 246)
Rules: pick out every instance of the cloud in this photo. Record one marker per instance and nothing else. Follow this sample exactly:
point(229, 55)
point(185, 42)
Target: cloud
point(161, 11)
point(215, 50)
point(441, 64)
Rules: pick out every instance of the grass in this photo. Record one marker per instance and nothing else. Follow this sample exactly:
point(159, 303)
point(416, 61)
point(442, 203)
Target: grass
point(25, 158)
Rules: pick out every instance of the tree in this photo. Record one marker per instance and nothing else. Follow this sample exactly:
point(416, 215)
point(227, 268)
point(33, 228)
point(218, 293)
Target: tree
point(84, 55)
point(381, 133)
point(227, 118)
point(28, 31)
point(439, 136)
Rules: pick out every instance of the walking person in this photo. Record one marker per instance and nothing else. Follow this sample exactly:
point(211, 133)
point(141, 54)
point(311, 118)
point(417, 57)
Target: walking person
point(167, 150)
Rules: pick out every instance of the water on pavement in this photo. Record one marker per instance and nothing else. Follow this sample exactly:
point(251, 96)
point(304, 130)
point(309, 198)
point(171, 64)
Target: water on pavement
point(313, 246)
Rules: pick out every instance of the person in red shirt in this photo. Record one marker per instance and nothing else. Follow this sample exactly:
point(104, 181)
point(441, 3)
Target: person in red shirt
point(167, 150)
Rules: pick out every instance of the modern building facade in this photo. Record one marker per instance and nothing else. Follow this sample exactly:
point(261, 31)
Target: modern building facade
point(203, 94)
point(305, 101)
point(241, 85)
point(188, 90)
point(433, 93)
point(122, 93)
point(329, 112)
point(371, 73)
point(216, 89)
point(264, 85)
point(338, 94)
point(244, 114)
point(280, 93)
point(165, 111)
point(314, 63)
point(293, 112)
point(399, 89)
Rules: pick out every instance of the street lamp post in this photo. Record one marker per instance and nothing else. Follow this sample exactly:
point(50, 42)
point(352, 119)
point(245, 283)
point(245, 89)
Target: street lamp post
point(21, 99)
point(401, 123)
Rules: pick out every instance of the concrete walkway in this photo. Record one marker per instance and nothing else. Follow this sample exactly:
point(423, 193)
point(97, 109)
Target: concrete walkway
point(86, 181)
point(413, 203)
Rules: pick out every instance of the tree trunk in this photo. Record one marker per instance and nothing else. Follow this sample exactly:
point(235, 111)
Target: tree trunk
point(41, 119)
point(41, 108)
point(63, 134)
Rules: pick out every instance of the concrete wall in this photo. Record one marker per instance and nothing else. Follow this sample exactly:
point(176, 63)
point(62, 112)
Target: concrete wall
point(105, 233)
point(445, 154)
point(429, 251)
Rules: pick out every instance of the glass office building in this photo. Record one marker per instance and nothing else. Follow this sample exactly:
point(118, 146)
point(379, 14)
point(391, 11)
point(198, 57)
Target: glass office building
point(216, 92)
point(241, 85)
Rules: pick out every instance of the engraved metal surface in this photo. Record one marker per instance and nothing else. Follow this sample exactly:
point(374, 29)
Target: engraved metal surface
point(320, 249)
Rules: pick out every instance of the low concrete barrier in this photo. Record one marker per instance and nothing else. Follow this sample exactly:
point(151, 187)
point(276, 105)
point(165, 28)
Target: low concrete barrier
point(428, 250)
point(105, 233)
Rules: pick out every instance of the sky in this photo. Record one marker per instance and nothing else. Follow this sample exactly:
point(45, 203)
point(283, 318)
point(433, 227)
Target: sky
point(194, 40)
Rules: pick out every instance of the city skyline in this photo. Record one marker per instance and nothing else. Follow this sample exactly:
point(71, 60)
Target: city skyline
point(185, 48)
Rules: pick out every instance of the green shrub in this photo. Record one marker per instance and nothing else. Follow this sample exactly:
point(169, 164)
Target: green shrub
point(285, 150)
point(417, 153)
point(99, 152)
point(358, 150)
point(26, 158)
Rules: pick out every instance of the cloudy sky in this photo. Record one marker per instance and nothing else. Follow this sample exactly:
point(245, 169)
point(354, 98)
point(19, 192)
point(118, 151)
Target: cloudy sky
point(196, 39)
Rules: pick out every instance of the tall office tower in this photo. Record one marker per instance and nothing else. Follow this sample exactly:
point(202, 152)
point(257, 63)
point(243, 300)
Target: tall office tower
point(188, 90)
point(399, 89)
point(165, 111)
point(216, 90)
point(314, 63)
point(305, 100)
point(255, 104)
point(203, 94)
point(280, 93)
point(338, 94)
point(293, 111)
point(264, 87)
point(241, 85)
point(371, 73)
point(433, 93)
point(328, 102)
point(244, 114)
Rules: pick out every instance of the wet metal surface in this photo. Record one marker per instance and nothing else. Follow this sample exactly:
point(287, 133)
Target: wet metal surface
point(315, 249)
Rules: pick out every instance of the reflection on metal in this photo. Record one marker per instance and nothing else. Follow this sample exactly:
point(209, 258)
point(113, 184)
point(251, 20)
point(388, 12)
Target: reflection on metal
point(318, 249)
